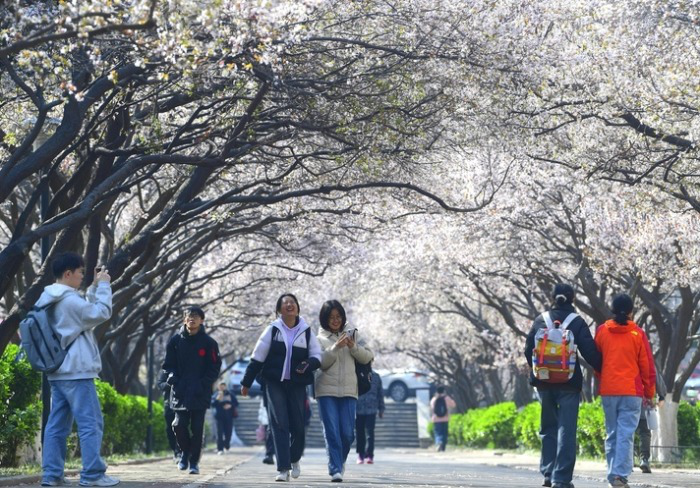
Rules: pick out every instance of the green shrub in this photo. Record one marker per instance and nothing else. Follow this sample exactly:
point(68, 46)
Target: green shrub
point(689, 430)
point(20, 410)
point(490, 427)
point(591, 429)
point(526, 427)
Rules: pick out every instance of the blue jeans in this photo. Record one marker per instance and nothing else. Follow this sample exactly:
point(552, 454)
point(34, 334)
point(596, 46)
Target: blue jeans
point(73, 399)
point(441, 429)
point(621, 420)
point(338, 417)
point(558, 422)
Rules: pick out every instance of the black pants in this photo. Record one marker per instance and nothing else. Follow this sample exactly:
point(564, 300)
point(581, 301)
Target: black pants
point(364, 427)
point(189, 431)
point(169, 415)
point(269, 442)
point(285, 402)
point(224, 429)
point(644, 437)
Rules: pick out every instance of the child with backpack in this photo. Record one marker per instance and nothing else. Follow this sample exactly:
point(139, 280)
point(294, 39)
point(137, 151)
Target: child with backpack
point(551, 350)
point(73, 393)
point(440, 406)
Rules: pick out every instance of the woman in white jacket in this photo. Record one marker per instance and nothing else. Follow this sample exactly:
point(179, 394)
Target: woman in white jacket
point(336, 384)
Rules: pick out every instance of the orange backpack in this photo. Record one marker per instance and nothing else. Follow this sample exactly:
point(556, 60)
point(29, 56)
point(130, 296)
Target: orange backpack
point(554, 355)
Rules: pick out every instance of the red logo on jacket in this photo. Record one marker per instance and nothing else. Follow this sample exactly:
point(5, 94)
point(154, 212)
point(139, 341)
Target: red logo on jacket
point(202, 352)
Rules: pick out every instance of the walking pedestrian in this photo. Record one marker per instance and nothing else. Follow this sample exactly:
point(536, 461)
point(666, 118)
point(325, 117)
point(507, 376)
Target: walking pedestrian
point(643, 430)
point(560, 401)
point(169, 415)
point(440, 406)
point(226, 409)
point(625, 382)
point(336, 384)
point(73, 393)
point(286, 355)
point(192, 362)
point(369, 406)
point(264, 421)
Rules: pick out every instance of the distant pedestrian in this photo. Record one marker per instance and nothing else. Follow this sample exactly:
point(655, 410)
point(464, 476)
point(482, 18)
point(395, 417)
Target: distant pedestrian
point(73, 393)
point(625, 382)
point(368, 406)
point(192, 361)
point(286, 355)
point(643, 429)
point(264, 421)
point(440, 406)
point(560, 400)
point(336, 384)
point(226, 409)
point(169, 415)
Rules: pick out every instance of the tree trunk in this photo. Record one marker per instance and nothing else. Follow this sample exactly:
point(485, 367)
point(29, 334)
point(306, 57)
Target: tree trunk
point(665, 440)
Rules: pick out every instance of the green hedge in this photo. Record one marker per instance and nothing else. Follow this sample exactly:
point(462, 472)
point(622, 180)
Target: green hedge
point(689, 430)
point(502, 426)
point(125, 416)
point(20, 409)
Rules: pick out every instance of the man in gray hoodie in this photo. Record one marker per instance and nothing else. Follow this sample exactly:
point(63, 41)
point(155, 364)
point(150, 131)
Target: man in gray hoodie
point(73, 392)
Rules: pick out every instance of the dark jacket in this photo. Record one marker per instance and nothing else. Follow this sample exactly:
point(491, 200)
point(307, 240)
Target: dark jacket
point(584, 342)
point(270, 354)
point(192, 364)
point(373, 401)
point(219, 405)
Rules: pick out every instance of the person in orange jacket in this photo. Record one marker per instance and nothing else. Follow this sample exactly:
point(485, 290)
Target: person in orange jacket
point(624, 381)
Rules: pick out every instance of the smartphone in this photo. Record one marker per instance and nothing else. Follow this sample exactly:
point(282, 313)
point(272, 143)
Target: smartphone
point(98, 269)
point(303, 366)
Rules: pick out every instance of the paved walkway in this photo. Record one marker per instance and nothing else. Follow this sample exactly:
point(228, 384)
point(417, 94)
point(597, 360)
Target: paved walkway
point(242, 468)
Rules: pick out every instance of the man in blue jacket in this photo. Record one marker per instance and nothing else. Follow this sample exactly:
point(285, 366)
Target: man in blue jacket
point(192, 362)
point(560, 401)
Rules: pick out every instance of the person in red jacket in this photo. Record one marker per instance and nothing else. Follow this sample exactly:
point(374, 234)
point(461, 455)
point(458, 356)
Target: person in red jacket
point(625, 380)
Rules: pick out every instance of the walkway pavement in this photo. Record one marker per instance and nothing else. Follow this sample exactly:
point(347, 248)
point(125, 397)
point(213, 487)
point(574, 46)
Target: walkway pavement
point(242, 468)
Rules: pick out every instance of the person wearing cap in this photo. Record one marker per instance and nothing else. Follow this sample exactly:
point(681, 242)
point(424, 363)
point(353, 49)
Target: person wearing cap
point(560, 401)
point(626, 380)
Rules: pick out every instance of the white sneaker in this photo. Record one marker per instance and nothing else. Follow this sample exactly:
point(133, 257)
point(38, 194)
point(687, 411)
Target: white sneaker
point(282, 476)
point(220, 453)
point(296, 470)
point(106, 480)
point(337, 477)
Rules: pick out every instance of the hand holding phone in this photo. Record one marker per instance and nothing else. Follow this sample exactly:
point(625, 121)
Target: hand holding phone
point(302, 367)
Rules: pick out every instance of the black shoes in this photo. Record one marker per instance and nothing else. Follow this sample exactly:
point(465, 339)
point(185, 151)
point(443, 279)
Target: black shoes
point(644, 466)
point(268, 460)
point(547, 482)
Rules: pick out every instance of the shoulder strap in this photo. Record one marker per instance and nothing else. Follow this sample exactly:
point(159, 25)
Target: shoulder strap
point(548, 320)
point(308, 336)
point(567, 321)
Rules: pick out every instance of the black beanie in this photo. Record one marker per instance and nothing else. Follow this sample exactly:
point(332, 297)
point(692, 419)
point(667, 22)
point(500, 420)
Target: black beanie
point(622, 305)
point(563, 294)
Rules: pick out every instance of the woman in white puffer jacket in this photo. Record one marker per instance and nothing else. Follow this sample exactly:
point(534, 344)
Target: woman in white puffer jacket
point(336, 384)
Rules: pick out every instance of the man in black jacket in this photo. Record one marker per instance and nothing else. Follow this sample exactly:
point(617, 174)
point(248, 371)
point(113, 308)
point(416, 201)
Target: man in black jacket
point(192, 363)
point(560, 401)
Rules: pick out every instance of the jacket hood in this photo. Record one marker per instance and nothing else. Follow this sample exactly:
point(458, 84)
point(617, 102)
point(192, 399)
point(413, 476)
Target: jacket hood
point(279, 323)
point(616, 328)
point(184, 333)
point(54, 293)
point(566, 307)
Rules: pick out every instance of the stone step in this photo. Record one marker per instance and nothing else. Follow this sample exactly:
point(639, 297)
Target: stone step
point(398, 428)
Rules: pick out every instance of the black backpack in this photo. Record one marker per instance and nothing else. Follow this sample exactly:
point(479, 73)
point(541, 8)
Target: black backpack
point(364, 375)
point(440, 408)
point(41, 343)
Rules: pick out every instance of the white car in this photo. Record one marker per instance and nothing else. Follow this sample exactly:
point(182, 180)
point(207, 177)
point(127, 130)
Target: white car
point(402, 384)
point(236, 375)
point(691, 389)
